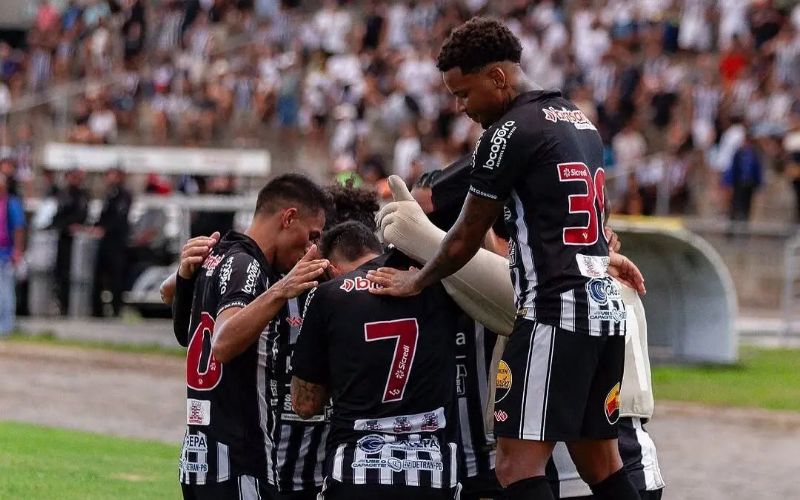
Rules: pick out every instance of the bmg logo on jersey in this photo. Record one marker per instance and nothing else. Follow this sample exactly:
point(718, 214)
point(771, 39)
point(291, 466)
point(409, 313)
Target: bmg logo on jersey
point(498, 144)
point(358, 284)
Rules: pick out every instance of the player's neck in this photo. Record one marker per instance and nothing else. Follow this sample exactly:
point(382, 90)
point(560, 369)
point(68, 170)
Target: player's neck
point(261, 236)
point(347, 267)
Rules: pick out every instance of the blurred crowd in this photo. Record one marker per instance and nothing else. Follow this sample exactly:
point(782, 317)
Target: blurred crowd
point(677, 88)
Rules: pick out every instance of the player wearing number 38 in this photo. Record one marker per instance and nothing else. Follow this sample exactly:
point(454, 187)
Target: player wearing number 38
point(539, 165)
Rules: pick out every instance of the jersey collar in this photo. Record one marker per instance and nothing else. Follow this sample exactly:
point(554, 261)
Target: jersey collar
point(533, 95)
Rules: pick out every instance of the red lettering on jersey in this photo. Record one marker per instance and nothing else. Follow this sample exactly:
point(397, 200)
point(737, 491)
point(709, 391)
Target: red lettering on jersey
point(362, 283)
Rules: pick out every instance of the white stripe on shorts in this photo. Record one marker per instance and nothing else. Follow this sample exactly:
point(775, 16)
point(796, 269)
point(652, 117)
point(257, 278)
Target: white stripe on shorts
point(537, 382)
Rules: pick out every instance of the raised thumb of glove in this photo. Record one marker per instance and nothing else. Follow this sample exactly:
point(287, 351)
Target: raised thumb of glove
point(399, 190)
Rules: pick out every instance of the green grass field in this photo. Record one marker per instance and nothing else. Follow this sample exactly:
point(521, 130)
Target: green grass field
point(764, 378)
point(42, 463)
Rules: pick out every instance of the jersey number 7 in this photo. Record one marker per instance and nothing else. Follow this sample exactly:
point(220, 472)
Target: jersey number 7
point(406, 332)
point(203, 371)
point(584, 203)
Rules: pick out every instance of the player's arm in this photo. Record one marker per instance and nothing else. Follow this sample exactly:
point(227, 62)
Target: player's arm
point(308, 398)
point(238, 326)
point(310, 372)
point(500, 157)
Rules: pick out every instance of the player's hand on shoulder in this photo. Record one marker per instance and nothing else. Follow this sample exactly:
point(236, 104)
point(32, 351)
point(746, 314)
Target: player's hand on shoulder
point(194, 253)
point(303, 275)
point(394, 282)
point(624, 270)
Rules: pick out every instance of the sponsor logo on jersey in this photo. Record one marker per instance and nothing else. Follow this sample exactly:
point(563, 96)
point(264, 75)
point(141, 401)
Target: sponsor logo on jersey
point(498, 143)
point(461, 380)
point(225, 275)
point(375, 443)
point(473, 189)
point(397, 464)
point(253, 271)
point(575, 117)
point(503, 381)
point(603, 290)
point(500, 415)
point(358, 284)
point(198, 412)
point(404, 424)
point(194, 467)
point(195, 442)
point(612, 404)
point(592, 266)
point(211, 263)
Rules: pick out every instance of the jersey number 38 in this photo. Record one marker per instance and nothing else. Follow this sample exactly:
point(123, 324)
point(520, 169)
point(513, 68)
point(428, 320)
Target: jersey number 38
point(584, 203)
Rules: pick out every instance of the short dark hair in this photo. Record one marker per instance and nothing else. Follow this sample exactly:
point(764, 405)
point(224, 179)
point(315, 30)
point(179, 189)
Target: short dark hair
point(350, 239)
point(291, 189)
point(349, 203)
point(476, 43)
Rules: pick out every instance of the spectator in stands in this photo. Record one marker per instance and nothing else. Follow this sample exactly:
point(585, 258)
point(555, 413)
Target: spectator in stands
point(743, 178)
point(12, 246)
point(73, 209)
point(113, 230)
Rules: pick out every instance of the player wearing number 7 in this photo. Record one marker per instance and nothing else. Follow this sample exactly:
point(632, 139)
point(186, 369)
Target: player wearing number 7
point(539, 165)
point(389, 366)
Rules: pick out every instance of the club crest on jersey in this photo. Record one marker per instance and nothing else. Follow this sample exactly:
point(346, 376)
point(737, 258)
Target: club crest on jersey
point(358, 284)
point(575, 117)
point(503, 381)
point(497, 144)
point(500, 415)
point(612, 405)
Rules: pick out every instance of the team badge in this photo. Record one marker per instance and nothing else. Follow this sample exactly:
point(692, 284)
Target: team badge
point(502, 381)
point(612, 404)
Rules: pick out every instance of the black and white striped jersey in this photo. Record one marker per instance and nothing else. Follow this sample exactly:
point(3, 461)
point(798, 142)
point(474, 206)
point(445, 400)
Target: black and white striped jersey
point(224, 436)
point(474, 346)
point(297, 450)
point(389, 365)
point(638, 453)
point(544, 160)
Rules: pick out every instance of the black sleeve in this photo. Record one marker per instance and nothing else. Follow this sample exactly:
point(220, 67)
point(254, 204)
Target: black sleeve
point(182, 309)
point(501, 156)
point(238, 281)
point(310, 358)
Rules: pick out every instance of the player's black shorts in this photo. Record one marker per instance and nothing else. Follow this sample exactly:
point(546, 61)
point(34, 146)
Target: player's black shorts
point(556, 385)
point(308, 494)
point(236, 488)
point(334, 490)
point(481, 487)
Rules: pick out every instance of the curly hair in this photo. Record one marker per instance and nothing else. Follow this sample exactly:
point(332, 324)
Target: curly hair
point(476, 43)
point(351, 204)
